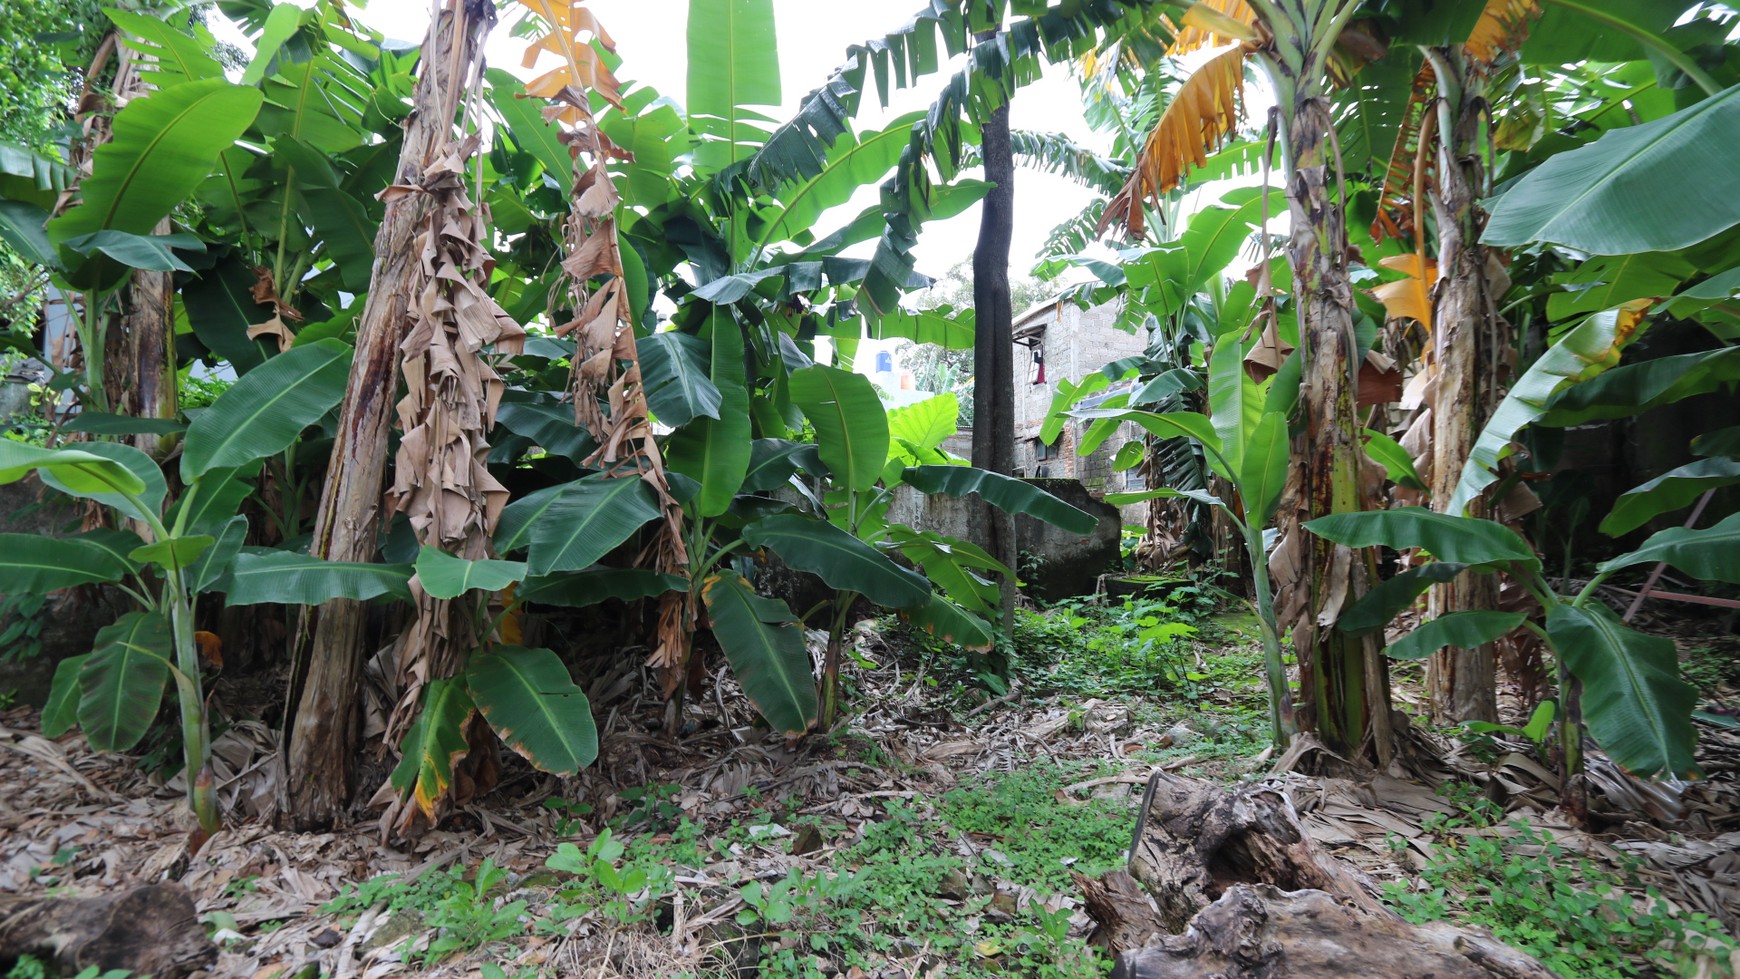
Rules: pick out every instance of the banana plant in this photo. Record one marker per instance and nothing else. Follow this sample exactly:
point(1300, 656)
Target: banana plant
point(1245, 439)
point(192, 547)
point(1633, 701)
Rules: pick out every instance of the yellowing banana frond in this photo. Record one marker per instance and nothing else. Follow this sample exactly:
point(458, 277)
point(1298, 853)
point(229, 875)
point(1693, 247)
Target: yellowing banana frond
point(1195, 124)
point(1502, 27)
point(582, 69)
point(1214, 22)
point(1409, 298)
point(1395, 212)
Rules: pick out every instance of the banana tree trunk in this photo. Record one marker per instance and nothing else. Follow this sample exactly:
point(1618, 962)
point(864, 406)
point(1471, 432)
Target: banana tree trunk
point(994, 347)
point(320, 730)
point(1343, 680)
point(1467, 336)
point(139, 353)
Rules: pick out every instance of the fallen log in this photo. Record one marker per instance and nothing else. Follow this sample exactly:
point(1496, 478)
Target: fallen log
point(1257, 931)
point(1235, 888)
point(151, 930)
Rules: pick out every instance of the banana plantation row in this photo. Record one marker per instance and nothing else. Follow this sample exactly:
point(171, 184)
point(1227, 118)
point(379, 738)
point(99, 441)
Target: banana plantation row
point(504, 346)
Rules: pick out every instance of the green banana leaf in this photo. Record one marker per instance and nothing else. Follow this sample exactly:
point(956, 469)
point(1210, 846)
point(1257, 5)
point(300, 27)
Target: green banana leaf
point(163, 146)
point(1389, 598)
point(61, 711)
point(1168, 425)
point(1007, 493)
point(1263, 472)
point(1635, 703)
point(551, 427)
point(1605, 281)
point(924, 425)
point(580, 522)
point(1458, 540)
point(175, 553)
point(435, 744)
point(1467, 630)
point(1388, 453)
point(528, 697)
point(264, 412)
point(1629, 190)
point(217, 561)
point(261, 576)
point(714, 452)
point(851, 424)
point(765, 646)
point(1584, 353)
point(1668, 492)
point(211, 501)
point(1630, 389)
point(1235, 404)
point(153, 253)
point(838, 558)
point(854, 161)
point(102, 423)
point(1712, 553)
point(958, 568)
point(951, 623)
point(33, 565)
point(733, 64)
point(446, 576)
point(136, 462)
point(578, 589)
point(674, 374)
point(172, 56)
point(773, 461)
point(76, 471)
point(122, 681)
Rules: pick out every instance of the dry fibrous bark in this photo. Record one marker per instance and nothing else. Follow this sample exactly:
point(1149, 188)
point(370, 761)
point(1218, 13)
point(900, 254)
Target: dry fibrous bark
point(609, 400)
point(441, 480)
point(152, 930)
point(321, 727)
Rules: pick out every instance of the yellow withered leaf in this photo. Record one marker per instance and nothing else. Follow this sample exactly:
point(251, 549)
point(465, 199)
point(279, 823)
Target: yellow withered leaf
point(1195, 124)
point(1214, 22)
point(1409, 298)
point(1502, 28)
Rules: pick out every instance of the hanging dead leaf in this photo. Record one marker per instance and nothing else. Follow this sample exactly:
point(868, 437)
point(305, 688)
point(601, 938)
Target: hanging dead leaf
point(1409, 298)
point(1501, 29)
point(275, 328)
point(1210, 23)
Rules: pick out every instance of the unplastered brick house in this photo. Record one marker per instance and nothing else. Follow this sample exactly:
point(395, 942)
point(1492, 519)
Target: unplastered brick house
point(1057, 341)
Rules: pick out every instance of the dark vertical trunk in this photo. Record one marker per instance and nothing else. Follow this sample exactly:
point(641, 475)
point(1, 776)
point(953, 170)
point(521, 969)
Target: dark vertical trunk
point(320, 730)
point(994, 345)
point(1343, 680)
point(1465, 335)
point(139, 353)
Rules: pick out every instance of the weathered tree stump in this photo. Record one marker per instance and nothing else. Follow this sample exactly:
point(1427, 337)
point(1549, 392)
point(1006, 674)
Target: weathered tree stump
point(1256, 931)
point(1235, 889)
point(1197, 839)
point(152, 930)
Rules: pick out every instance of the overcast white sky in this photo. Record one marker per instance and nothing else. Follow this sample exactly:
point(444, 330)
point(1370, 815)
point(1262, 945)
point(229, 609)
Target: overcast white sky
point(650, 36)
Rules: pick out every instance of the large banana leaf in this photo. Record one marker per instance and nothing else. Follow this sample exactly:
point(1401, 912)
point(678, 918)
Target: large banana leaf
point(32, 565)
point(945, 326)
point(446, 576)
point(1668, 492)
point(851, 424)
point(164, 145)
point(953, 566)
point(733, 64)
point(1170, 424)
point(1712, 553)
point(173, 56)
point(216, 562)
point(1606, 281)
point(579, 589)
point(923, 426)
point(1658, 186)
point(1584, 353)
point(61, 711)
point(137, 463)
point(435, 744)
point(853, 162)
point(220, 307)
point(265, 411)
point(78, 472)
point(574, 527)
point(528, 697)
point(838, 558)
point(1630, 389)
point(714, 452)
point(209, 503)
point(1389, 598)
point(773, 461)
point(1004, 492)
point(261, 576)
point(1458, 540)
point(1467, 630)
point(765, 647)
point(527, 125)
point(1263, 472)
point(122, 681)
point(1635, 703)
point(673, 371)
point(1235, 405)
point(1173, 272)
point(550, 426)
point(948, 621)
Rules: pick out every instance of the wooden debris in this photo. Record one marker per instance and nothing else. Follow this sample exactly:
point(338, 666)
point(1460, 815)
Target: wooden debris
point(151, 930)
